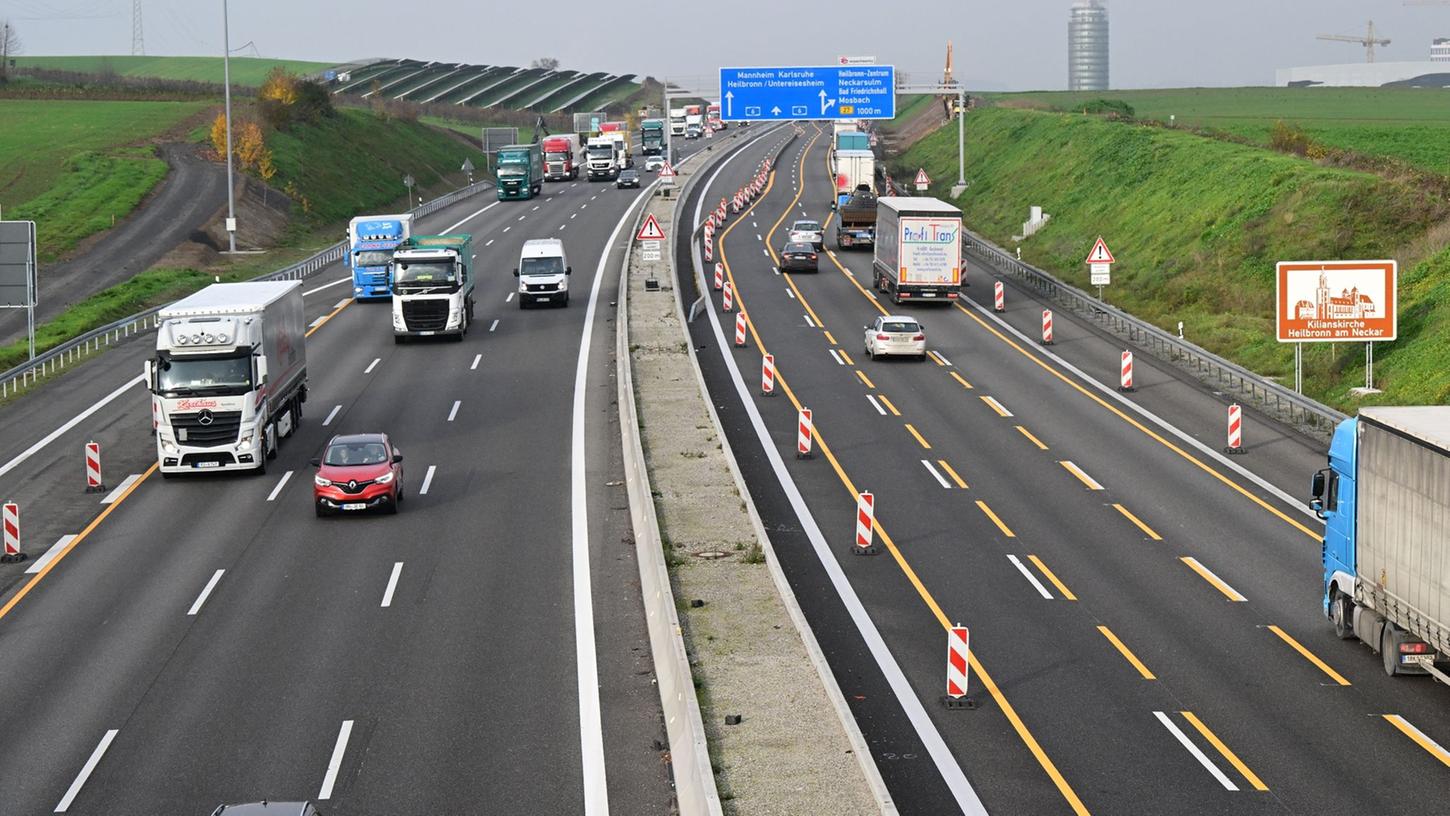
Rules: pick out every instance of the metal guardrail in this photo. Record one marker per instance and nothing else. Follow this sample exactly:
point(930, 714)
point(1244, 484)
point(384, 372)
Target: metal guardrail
point(28, 374)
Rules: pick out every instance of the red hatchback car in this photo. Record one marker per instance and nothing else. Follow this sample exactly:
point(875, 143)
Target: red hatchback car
point(358, 472)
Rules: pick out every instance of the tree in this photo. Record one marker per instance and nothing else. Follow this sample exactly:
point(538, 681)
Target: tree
point(9, 47)
point(219, 135)
point(280, 86)
point(251, 145)
point(545, 63)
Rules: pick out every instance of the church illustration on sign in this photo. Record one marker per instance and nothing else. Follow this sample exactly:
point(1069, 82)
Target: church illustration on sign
point(1349, 304)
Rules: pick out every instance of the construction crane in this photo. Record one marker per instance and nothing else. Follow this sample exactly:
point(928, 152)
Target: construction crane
point(1369, 41)
point(948, 102)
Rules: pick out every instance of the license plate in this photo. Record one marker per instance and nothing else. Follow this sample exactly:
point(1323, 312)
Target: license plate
point(425, 333)
point(928, 294)
point(354, 506)
point(206, 464)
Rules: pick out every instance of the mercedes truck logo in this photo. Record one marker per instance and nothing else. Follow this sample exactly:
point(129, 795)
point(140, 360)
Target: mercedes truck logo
point(205, 417)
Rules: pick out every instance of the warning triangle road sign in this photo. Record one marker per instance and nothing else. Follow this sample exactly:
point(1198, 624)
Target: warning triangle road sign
point(1100, 253)
point(922, 179)
point(666, 171)
point(650, 230)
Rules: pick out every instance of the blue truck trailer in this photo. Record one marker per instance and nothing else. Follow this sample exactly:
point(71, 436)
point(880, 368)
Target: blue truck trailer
point(371, 241)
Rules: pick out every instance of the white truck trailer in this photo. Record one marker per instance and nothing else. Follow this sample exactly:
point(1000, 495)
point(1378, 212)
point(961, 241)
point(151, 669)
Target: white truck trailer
point(918, 249)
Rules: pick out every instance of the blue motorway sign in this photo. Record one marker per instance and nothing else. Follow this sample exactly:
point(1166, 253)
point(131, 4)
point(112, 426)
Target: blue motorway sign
point(811, 92)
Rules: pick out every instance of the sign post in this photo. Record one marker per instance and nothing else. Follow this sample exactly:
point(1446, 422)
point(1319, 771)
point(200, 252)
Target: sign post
point(19, 287)
point(775, 94)
point(1101, 261)
point(922, 180)
point(1336, 301)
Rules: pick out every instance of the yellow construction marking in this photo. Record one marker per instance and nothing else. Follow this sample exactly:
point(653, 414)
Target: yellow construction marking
point(1223, 749)
point(1432, 747)
point(846, 357)
point(1207, 575)
point(1148, 531)
point(1034, 439)
point(918, 436)
point(884, 401)
point(1006, 531)
point(959, 379)
point(866, 379)
point(952, 473)
point(996, 406)
point(937, 358)
point(1066, 593)
point(770, 235)
point(1127, 655)
point(832, 339)
point(1092, 484)
point(328, 316)
point(1309, 656)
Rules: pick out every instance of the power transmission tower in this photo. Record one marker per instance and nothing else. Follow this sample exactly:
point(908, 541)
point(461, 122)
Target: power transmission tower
point(138, 44)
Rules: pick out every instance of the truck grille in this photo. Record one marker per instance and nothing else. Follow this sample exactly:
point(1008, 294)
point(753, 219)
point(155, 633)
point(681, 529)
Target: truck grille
point(425, 315)
point(543, 287)
point(207, 429)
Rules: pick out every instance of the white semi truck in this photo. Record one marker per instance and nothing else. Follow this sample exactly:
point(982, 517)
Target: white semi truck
point(918, 249)
point(677, 121)
point(229, 377)
point(433, 283)
point(602, 157)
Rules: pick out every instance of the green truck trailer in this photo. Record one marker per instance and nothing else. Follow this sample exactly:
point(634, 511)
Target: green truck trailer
point(652, 137)
point(520, 171)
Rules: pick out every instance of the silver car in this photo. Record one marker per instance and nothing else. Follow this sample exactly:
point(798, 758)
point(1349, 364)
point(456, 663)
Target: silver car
point(896, 335)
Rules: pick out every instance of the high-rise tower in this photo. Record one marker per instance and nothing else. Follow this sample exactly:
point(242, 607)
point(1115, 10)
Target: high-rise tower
point(1087, 46)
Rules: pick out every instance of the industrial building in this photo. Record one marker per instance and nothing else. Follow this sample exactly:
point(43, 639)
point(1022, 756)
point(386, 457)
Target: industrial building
point(1440, 50)
point(1087, 46)
point(1366, 75)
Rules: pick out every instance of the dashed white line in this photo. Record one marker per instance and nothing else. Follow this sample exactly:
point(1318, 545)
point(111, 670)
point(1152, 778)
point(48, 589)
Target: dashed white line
point(454, 412)
point(335, 764)
point(205, 592)
point(50, 554)
point(493, 325)
point(872, 400)
point(584, 206)
point(997, 406)
point(809, 322)
point(490, 242)
point(392, 584)
point(340, 304)
point(522, 217)
point(1197, 754)
point(790, 294)
point(510, 298)
point(278, 489)
point(427, 480)
point(536, 207)
point(331, 415)
point(758, 238)
point(933, 471)
point(941, 358)
point(121, 488)
point(506, 229)
point(318, 322)
point(477, 358)
point(765, 252)
point(561, 226)
point(80, 781)
point(1092, 484)
point(372, 365)
point(1036, 584)
point(572, 216)
point(591, 198)
point(837, 357)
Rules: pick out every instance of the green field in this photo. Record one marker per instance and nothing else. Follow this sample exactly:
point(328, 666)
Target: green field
point(1197, 225)
point(1410, 124)
point(72, 165)
point(244, 70)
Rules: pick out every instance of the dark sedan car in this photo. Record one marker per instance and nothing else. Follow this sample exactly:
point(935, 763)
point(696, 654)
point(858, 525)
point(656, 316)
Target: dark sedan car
point(627, 178)
point(798, 257)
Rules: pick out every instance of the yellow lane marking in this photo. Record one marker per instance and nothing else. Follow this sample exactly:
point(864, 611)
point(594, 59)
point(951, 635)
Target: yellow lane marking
point(1141, 526)
point(959, 379)
point(918, 436)
point(328, 316)
point(952, 473)
point(60, 556)
point(1006, 531)
point(1140, 426)
point(1218, 583)
point(847, 357)
point(866, 379)
point(801, 188)
point(1066, 593)
point(1223, 749)
point(937, 358)
point(1034, 439)
point(884, 401)
point(1431, 746)
point(1092, 484)
point(1309, 656)
point(1127, 654)
point(997, 406)
point(832, 338)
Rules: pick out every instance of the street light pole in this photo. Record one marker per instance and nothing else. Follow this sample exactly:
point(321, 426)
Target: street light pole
point(227, 91)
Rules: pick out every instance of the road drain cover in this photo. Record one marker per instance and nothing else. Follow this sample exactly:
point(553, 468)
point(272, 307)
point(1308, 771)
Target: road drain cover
point(712, 554)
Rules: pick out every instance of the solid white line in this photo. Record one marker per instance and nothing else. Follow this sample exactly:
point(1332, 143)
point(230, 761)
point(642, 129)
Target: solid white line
point(941, 756)
point(1091, 483)
point(205, 592)
point(392, 584)
point(1193, 749)
point(278, 489)
point(331, 415)
point(71, 423)
point(453, 413)
point(75, 787)
point(120, 488)
point(372, 365)
point(427, 480)
point(792, 294)
point(493, 325)
point(1042, 590)
point(318, 322)
point(836, 357)
point(340, 304)
point(874, 403)
point(50, 554)
point(943, 482)
point(335, 764)
point(809, 322)
point(314, 291)
point(1002, 409)
point(479, 357)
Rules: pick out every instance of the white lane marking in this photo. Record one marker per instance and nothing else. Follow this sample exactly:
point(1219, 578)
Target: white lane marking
point(1193, 749)
point(331, 415)
point(509, 298)
point(932, 469)
point(50, 554)
point(572, 216)
point(561, 226)
point(591, 198)
point(1041, 590)
point(536, 207)
point(765, 252)
point(278, 489)
point(477, 358)
point(522, 217)
point(506, 229)
point(314, 291)
point(453, 413)
point(341, 303)
point(946, 763)
point(335, 764)
point(583, 206)
point(318, 322)
point(999, 407)
point(941, 358)
point(1091, 483)
point(392, 584)
point(71, 423)
point(80, 781)
point(837, 357)
point(206, 592)
point(490, 242)
point(575, 184)
point(809, 322)
point(493, 325)
point(427, 480)
point(1434, 748)
point(120, 488)
point(372, 365)
point(792, 294)
point(754, 225)
point(469, 217)
point(1221, 584)
point(758, 238)
point(874, 403)
point(775, 269)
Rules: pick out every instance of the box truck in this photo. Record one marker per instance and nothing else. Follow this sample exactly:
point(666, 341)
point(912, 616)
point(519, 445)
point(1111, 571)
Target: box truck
point(918, 249)
point(677, 121)
point(1385, 501)
point(229, 376)
point(561, 157)
point(371, 241)
point(433, 285)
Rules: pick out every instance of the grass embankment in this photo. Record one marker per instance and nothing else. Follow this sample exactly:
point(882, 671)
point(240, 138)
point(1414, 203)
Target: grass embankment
point(71, 166)
point(1197, 225)
point(1409, 124)
point(244, 70)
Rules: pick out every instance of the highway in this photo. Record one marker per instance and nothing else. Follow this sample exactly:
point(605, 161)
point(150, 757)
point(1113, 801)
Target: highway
point(208, 640)
point(1145, 618)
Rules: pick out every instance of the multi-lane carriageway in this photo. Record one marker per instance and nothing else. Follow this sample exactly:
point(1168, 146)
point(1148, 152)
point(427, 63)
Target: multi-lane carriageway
point(1145, 625)
point(208, 640)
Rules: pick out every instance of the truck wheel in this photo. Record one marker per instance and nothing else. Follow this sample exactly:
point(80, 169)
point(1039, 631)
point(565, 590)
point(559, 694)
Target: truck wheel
point(1389, 651)
point(1342, 614)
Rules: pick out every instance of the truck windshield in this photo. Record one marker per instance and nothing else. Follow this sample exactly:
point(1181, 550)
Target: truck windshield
point(601, 152)
point(179, 376)
point(511, 169)
point(423, 274)
point(372, 257)
point(541, 266)
point(556, 156)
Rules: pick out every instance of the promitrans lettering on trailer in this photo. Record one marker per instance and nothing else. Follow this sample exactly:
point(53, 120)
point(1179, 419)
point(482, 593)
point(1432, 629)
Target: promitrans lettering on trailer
point(928, 233)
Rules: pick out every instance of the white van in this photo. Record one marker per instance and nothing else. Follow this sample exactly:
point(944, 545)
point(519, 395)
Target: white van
point(543, 272)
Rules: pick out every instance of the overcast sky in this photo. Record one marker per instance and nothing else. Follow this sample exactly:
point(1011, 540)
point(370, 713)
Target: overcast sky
point(1000, 44)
